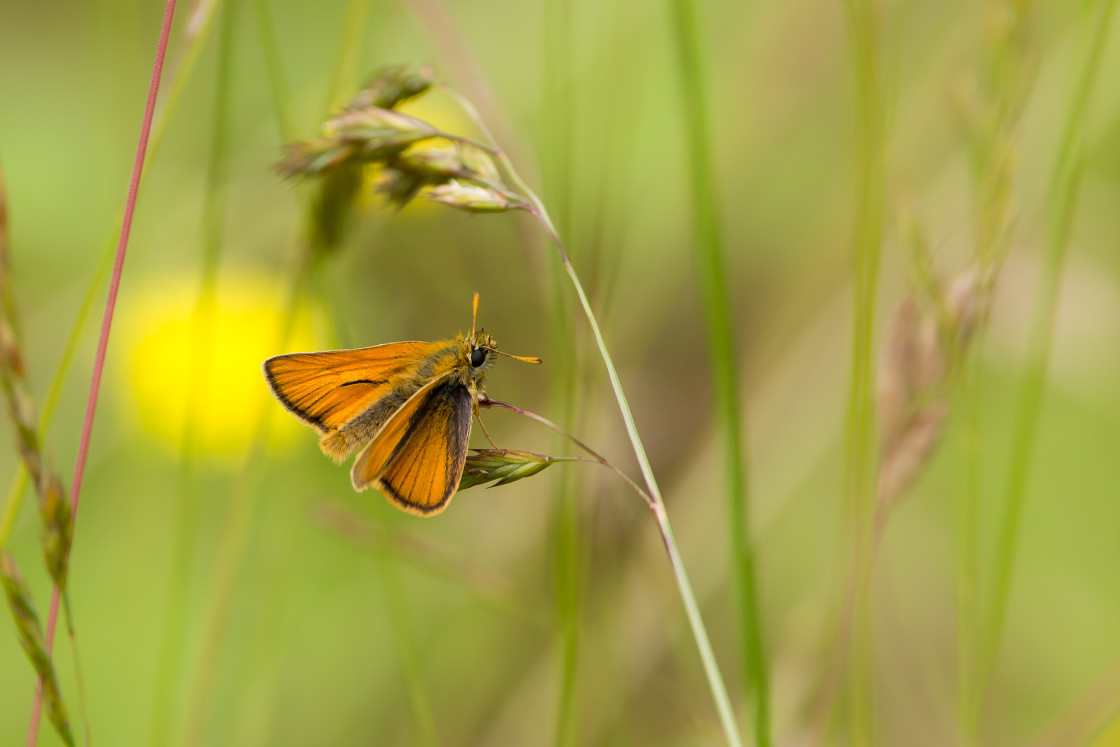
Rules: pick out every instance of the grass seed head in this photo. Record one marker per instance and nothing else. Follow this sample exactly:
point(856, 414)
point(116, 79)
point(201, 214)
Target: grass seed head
point(394, 85)
point(473, 198)
point(34, 644)
point(58, 527)
point(501, 467)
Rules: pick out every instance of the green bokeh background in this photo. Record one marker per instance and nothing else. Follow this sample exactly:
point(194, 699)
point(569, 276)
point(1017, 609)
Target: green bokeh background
point(341, 601)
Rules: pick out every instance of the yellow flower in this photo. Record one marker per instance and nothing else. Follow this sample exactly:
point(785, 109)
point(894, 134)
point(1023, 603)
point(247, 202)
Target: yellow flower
point(193, 373)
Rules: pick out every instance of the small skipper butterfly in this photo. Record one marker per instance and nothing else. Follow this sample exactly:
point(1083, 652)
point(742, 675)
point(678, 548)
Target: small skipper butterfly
point(406, 405)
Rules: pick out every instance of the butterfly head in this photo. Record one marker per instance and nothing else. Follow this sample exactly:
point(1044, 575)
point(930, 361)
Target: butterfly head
point(482, 348)
point(479, 350)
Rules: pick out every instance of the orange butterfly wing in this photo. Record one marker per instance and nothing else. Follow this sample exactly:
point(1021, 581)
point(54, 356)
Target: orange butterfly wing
point(418, 457)
point(327, 390)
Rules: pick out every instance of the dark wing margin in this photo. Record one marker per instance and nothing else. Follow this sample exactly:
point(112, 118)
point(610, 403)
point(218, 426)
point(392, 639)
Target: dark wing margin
point(425, 468)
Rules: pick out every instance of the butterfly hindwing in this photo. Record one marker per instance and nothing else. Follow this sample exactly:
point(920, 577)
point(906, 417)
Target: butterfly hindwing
point(421, 470)
point(327, 390)
point(388, 440)
point(425, 472)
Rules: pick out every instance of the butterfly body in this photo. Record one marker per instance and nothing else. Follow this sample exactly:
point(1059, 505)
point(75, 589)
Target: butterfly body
point(406, 405)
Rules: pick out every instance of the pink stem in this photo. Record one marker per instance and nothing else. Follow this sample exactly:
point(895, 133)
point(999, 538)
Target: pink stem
point(106, 324)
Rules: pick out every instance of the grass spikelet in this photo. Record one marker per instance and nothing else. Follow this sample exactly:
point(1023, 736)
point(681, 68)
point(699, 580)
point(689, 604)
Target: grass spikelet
point(34, 644)
point(394, 85)
point(354, 135)
point(503, 466)
point(912, 394)
point(474, 198)
point(55, 511)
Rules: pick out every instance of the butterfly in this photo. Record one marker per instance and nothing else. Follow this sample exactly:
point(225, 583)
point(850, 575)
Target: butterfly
point(406, 405)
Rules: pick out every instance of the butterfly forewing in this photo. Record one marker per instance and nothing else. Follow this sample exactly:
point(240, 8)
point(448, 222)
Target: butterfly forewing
point(423, 471)
point(326, 390)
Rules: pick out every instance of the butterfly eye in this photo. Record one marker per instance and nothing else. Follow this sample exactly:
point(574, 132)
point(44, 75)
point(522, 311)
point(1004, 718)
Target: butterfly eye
point(478, 357)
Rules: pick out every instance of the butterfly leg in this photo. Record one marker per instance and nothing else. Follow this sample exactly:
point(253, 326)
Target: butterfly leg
point(478, 416)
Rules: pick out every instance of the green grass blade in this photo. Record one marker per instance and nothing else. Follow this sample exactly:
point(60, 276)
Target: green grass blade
point(174, 631)
point(710, 251)
point(558, 82)
point(863, 22)
point(1064, 183)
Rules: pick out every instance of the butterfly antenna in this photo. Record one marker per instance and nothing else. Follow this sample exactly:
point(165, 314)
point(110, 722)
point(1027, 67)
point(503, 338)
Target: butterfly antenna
point(474, 314)
point(527, 359)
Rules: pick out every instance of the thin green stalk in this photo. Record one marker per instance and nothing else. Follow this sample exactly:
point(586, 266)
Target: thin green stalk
point(193, 46)
point(860, 457)
point(657, 505)
point(1064, 183)
point(699, 633)
point(710, 249)
point(343, 72)
point(968, 563)
point(387, 567)
point(19, 480)
point(274, 69)
point(236, 527)
point(18, 485)
point(173, 635)
point(565, 530)
point(388, 571)
point(243, 495)
point(595, 456)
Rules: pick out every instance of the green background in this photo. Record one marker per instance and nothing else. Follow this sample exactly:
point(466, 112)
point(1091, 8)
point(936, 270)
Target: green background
point(345, 616)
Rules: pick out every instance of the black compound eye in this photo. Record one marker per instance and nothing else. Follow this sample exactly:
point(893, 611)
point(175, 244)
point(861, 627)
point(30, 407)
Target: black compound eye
point(478, 357)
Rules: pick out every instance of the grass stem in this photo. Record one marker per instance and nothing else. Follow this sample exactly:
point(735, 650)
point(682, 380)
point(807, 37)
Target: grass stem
point(106, 325)
point(173, 634)
point(239, 520)
point(1063, 188)
point(860, 427)
point(968, 541)
point(539, 212)
point(560, 134)
point(711, 250)
point(696, 622)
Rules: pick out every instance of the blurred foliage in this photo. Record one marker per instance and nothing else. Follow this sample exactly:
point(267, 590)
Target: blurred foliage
point(314, 652)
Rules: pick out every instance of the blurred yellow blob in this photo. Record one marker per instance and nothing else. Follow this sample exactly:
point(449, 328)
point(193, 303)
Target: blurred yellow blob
point(439, 109)
point(194, 366)
point(1109, 736)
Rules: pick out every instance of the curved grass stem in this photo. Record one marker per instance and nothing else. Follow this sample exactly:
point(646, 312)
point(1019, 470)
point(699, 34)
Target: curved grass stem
point(595, 456)
point(699, 632)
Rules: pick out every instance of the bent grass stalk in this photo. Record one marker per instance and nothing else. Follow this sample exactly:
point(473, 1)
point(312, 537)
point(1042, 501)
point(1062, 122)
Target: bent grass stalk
point(595, 456)
point(657, 504)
